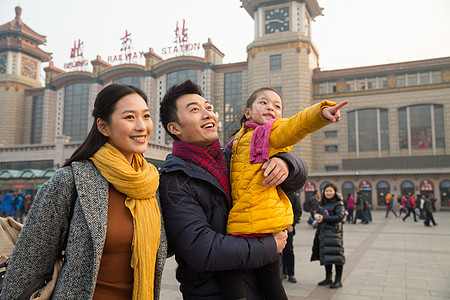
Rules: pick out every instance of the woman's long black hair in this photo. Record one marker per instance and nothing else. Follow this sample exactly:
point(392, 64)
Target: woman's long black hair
point(104, 106)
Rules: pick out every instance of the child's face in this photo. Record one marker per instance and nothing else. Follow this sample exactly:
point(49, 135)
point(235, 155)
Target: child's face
point(267, 106)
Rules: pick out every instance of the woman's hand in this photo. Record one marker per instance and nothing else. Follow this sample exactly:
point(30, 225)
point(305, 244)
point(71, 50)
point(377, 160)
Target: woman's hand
point(319, 218)
point(276, 171)
point(281, 240)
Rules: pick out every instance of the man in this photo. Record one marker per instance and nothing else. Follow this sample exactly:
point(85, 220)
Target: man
point(411, 206)
point(18, 205)
point(360, 214)
point(288, 262)
point(428, 209)
point(389, 200)
point(195, 199)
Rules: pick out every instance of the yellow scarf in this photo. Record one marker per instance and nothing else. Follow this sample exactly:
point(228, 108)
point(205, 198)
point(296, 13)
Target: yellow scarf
point(138, 182)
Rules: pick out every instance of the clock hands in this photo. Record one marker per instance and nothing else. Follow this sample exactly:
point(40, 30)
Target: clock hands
point(278, 21)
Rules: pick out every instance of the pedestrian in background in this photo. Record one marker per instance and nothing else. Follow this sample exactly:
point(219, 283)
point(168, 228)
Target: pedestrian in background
point(389, 205)
point(402, 206)
point(7, 204)
point(410, 204)
point(360, 214)
point(328, 245)
point(288, 257)
point(428, 209)
point(350, 207)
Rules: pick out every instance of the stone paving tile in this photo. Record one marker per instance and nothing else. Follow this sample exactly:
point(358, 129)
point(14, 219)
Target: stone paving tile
point(387, 259)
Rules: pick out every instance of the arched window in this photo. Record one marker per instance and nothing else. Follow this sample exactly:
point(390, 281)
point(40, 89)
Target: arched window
point(407, 187)
point(130, 80)
point(181, 76)
point(348, 188)
point(383, 188)
point(444, 188)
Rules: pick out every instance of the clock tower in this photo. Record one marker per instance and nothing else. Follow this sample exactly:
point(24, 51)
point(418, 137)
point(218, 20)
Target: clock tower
point(283, 56)
point(20, 65)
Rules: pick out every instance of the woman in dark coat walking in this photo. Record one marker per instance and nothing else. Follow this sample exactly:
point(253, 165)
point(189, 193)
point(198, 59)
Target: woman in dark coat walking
point(328, 245)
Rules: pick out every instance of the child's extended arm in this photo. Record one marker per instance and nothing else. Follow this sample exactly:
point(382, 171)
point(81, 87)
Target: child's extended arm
point(305, 122)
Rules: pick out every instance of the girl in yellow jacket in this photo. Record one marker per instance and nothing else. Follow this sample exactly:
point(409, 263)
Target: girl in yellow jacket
point(258, 209)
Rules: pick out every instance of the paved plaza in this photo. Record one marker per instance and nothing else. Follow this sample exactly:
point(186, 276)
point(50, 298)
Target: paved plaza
point(386, 259)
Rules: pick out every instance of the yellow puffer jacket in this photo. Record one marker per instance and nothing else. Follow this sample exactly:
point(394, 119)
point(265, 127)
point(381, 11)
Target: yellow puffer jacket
point(257, 208)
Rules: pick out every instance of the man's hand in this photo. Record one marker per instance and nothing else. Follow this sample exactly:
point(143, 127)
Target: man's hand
point(276, 171)
point(281, 240)
point(332, 113)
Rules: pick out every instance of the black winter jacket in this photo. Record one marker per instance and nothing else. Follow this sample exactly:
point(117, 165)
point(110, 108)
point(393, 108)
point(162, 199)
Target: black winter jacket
point(328, 246)
point(195, 209)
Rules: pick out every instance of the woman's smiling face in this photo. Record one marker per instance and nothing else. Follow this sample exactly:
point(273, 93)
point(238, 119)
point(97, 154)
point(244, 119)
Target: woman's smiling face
point(129, 127)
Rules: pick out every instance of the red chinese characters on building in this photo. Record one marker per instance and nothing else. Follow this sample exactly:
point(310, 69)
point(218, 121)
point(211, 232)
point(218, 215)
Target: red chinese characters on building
point(426, 186)
point(76, 51)
point(310, 187)
point(126, 40)
point(181, 37)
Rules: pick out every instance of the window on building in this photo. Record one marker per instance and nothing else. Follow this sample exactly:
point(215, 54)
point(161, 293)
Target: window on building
point(363, 126)
point(439, 126)
point(37, 119)
point(436, 77)
point(371, 83)
point(331, 148)
point(323, 88)
point(350, 85)
point(76, 111)
point(130, 80)
point(331, 134)
point(332, 87)
point(181, 76)
point(331, 168)
point(367, 126)
point(361, 84)
point(401, 80)
point(412, 79)
point(351, 127)
point(424, 78)
point(232, 102)
point(418, 119)
point(275, 62)
point(382, 82)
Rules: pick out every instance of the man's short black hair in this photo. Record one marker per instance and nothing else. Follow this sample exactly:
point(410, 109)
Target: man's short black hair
point(168, 107)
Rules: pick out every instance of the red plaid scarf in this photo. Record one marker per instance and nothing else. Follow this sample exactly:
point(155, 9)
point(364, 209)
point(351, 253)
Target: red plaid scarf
point(209, 158)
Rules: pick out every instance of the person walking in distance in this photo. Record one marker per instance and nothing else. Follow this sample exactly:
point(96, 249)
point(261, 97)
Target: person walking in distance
point(350, 207)
point(410, 204)
point(360, 214)
point(428, 210)
point(389, 200)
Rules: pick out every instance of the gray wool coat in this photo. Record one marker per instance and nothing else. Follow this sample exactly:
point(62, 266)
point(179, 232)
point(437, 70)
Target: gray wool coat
point(42, 236)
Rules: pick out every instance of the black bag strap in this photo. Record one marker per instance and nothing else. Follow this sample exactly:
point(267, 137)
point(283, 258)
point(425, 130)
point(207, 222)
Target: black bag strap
point(45, 278)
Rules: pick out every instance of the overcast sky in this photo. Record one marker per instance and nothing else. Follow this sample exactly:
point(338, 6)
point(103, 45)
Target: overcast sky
point(351, 33)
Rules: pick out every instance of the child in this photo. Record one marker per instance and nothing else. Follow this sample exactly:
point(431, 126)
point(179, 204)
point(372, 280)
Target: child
point(258, 209)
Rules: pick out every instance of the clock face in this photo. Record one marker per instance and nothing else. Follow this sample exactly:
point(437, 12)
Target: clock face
point(2, 64)
point(29, 68)
point(277, 20)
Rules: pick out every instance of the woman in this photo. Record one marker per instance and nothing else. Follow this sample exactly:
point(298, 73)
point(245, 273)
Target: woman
point(116, 245)
point(350, 207)
point(328, 242)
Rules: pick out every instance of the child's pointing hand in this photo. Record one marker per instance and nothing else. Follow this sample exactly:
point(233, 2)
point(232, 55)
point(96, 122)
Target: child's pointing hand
point(332, 113)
